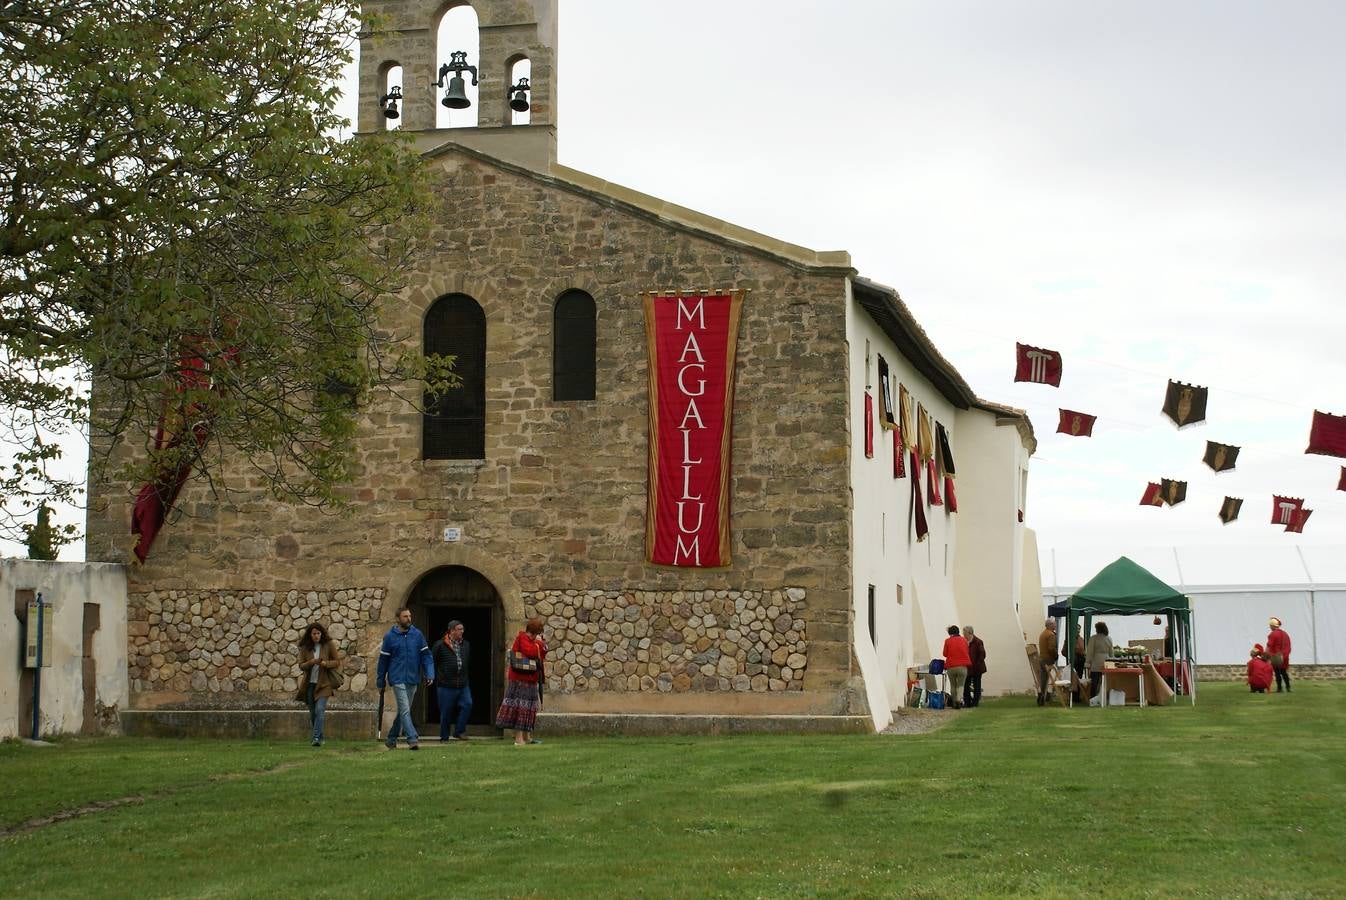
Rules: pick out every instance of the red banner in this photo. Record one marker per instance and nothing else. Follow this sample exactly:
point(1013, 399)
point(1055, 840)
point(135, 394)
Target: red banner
point(192, 422)
point(1037, 365)
point(1284, 509)
point(1327, 436)
point(1076, 424)
point(1297, 520)
point(692, 342)
point(1153, 496)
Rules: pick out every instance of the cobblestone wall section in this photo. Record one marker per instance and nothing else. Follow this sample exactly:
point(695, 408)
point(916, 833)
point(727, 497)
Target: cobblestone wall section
point(674, 641)
point(1240, 673)
point(241, 641)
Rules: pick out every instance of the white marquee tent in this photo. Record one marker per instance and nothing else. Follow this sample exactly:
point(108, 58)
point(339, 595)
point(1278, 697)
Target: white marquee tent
point(1234, 590)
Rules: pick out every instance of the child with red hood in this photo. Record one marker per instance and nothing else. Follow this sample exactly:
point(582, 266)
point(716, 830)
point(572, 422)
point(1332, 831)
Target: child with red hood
point(1259, 671)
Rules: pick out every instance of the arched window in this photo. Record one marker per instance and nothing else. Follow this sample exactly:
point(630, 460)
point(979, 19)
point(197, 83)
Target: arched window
point(458, 31)
point(454, 426)
point(520, 67)
point(574, 341)
point(391, 99)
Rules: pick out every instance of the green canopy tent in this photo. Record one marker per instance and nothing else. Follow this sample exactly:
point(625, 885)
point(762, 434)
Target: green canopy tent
point(1124, 588)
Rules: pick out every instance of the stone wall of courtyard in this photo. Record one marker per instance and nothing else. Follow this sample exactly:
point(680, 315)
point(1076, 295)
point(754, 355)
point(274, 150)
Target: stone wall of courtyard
point(241, 646)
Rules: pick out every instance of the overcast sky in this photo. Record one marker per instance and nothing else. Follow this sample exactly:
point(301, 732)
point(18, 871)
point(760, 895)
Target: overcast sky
point(1156, 190)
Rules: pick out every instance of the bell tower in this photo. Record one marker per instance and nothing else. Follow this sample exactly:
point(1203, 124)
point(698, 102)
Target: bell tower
point(404, 34)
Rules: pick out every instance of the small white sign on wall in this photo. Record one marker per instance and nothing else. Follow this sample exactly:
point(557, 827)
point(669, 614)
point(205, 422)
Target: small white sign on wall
point(453, 533)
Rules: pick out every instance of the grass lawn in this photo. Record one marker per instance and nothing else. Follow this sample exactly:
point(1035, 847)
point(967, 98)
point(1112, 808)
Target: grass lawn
point(1241, 796)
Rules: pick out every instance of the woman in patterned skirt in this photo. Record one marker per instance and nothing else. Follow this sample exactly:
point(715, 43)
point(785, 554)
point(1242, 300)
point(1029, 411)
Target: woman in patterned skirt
point(523, 692)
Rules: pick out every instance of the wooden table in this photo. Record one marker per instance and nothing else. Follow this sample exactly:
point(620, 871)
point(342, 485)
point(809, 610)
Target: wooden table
point(1137, 673)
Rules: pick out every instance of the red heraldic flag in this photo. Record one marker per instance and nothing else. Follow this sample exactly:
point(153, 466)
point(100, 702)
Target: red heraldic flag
point(190, 416)
point(899, 470)
point(918, 507)
point(1037, 365)
point(1283, 509)
point(1327, 437)
point(693, 340)
point(1296, 524)
point(1153, 496)
point(1076, 424)
point(869, 426)
point(932, 483)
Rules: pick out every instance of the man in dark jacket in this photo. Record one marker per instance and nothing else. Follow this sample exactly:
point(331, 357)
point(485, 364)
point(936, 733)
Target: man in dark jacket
point(404, 662)
point(977, 651)
point(451, 659)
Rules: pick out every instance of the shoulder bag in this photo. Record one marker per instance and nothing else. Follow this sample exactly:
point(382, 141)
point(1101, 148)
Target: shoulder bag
point(520, 663)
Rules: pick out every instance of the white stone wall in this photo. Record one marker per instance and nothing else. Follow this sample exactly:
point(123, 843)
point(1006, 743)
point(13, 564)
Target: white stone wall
point(990, 576)
point(886, 553)
point(67, 586)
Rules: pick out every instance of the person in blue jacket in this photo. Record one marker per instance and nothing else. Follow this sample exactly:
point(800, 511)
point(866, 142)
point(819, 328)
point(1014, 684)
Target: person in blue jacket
point(405, 662)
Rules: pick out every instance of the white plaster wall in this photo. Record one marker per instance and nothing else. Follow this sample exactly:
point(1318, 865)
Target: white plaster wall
point(991, 571)
point(67, 586)
point(885, 552)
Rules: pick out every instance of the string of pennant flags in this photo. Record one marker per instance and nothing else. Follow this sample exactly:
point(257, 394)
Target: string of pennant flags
point(1185, 404)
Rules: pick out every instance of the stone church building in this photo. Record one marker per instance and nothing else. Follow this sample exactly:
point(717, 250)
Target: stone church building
point(525, 492)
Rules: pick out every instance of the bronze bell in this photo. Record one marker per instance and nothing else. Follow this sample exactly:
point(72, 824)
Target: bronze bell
point(388, 102)
point(518, 100)
point(456, 95)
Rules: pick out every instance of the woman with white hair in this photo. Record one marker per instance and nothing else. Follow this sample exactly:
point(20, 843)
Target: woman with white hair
point(1278, 649)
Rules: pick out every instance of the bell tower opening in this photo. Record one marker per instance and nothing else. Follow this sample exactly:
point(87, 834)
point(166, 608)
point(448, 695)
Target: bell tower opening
point(480, 73)
point(458, 44)
point(459, 593)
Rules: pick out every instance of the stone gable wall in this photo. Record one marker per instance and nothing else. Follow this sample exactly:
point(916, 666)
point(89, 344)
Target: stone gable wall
point(558, 504)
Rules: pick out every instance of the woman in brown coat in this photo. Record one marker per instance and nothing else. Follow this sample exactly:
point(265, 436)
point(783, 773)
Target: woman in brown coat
point(318, 662)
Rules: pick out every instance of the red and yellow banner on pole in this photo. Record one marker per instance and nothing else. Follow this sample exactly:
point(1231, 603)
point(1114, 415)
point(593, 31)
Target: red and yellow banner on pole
point(693, 339)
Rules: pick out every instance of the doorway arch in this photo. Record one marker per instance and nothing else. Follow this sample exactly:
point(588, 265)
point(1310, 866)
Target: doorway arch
point(461, 593)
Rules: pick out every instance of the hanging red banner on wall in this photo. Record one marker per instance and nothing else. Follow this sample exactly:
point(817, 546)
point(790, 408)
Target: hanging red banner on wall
point(181, 435)
point(692, 339)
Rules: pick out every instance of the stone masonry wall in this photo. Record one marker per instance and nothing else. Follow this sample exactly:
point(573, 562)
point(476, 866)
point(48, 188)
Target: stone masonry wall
point(246, 642)
point(242, 642)
point(558, 501)
point(1240, 673)
point(674, 641)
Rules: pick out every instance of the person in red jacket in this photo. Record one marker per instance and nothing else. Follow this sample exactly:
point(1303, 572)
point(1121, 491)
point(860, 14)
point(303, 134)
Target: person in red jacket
point(1259, 671)
point(1278, 648)
point(957, 661)
point(523, 692)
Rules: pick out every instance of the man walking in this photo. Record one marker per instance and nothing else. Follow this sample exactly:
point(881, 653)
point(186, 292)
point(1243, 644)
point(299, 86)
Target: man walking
point(404, 662)
point(1278, 648)
point(1046, 660)
point(977, 651)
point(451, 657)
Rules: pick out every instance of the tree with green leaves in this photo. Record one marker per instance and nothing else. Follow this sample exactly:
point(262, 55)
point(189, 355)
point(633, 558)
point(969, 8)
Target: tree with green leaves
point(43, 539)
point(185, 238)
